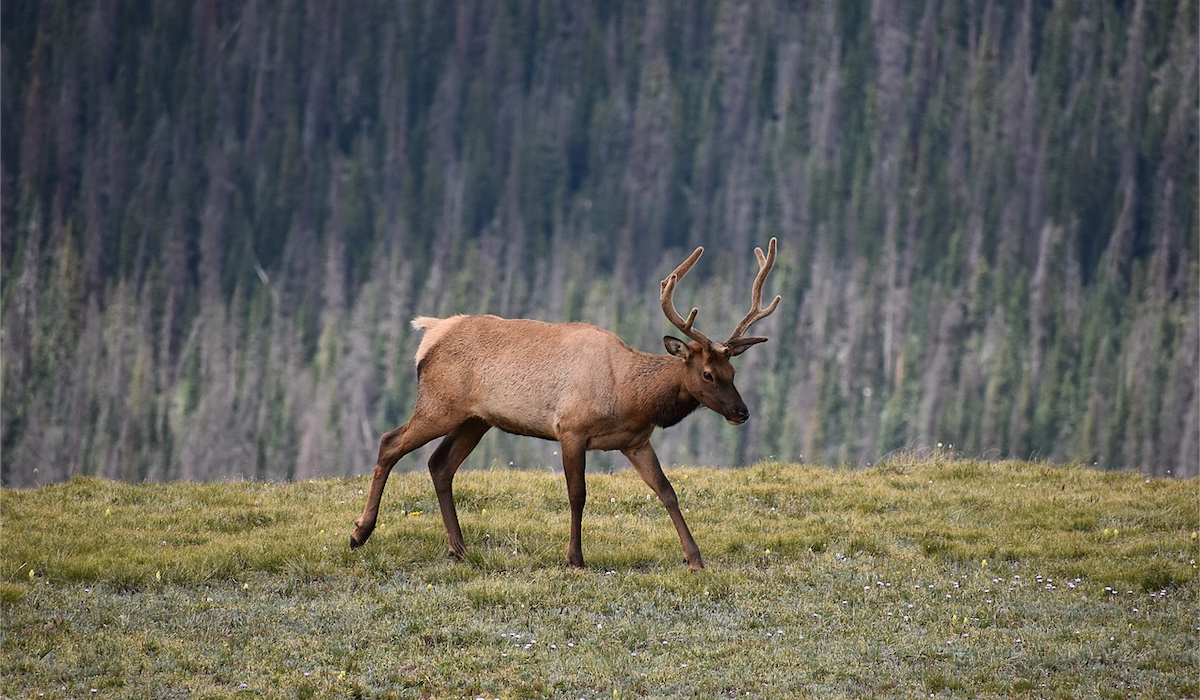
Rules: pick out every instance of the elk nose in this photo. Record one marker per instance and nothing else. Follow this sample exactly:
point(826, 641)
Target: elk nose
point(741, 414)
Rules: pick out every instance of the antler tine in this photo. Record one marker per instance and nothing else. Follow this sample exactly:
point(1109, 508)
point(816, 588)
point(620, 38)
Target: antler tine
point(667, 297)
point(688, 264)
point(756, 313)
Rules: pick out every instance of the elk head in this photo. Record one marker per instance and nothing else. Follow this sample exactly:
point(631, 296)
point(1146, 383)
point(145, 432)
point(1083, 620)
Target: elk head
point(708, 375)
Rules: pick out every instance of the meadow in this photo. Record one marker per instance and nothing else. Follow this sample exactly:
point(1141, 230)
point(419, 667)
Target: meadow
point(920, 577)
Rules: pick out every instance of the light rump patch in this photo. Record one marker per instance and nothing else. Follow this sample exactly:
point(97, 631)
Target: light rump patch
point(435, 329)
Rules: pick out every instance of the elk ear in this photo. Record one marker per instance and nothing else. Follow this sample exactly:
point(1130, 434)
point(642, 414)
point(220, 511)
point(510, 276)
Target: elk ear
point(739, 346)
point(677, 347)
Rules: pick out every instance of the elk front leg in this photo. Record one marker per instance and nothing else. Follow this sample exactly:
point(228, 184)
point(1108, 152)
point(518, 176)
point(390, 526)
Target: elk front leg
point(442, 466)
point(574, 459)
point(645, 461)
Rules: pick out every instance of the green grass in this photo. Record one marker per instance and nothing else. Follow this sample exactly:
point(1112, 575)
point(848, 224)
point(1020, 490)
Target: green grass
point(820, 583)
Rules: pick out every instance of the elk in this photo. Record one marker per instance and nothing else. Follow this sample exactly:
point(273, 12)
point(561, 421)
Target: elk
point(571, 382)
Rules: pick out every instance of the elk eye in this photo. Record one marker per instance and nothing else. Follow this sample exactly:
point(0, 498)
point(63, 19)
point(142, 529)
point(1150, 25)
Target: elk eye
point(708, 376)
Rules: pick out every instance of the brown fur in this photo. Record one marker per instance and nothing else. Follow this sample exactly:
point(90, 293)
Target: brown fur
point(571, 382)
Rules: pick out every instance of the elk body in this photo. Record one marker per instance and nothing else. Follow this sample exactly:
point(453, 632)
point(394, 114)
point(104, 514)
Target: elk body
point(571, 382)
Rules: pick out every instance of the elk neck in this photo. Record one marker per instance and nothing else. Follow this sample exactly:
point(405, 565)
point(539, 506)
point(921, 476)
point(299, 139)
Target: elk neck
point(658, 385)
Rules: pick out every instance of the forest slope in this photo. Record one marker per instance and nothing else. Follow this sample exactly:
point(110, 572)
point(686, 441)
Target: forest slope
point(218, 218)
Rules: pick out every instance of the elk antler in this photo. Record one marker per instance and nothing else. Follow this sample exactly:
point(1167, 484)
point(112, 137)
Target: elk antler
point(756, 313)
point(666, 296)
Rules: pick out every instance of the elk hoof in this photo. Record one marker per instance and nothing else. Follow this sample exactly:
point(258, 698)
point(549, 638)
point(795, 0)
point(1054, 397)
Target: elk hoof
point(360, 535)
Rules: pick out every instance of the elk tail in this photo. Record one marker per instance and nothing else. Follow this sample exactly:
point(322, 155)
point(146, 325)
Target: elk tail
point(424, 323)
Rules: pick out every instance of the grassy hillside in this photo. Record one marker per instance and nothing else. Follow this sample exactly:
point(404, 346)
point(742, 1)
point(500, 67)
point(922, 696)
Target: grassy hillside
point(954, 578)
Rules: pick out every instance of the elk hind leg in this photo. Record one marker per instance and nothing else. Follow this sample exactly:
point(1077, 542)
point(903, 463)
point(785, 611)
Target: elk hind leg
point(392, 446)
point(444, 463)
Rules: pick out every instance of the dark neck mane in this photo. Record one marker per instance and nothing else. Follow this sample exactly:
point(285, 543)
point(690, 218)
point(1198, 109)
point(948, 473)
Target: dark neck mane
point(659, 381)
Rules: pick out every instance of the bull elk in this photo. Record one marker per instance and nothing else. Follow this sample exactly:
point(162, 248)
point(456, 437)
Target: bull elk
point(571, 382)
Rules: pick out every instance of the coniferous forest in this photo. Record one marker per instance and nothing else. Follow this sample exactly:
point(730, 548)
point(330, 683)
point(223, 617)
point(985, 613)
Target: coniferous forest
point(219, 217)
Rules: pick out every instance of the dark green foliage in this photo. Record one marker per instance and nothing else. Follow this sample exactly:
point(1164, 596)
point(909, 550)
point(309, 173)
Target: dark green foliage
point(218, 220)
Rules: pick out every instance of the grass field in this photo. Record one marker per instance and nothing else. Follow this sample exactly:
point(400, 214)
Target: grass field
point(919, 578)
